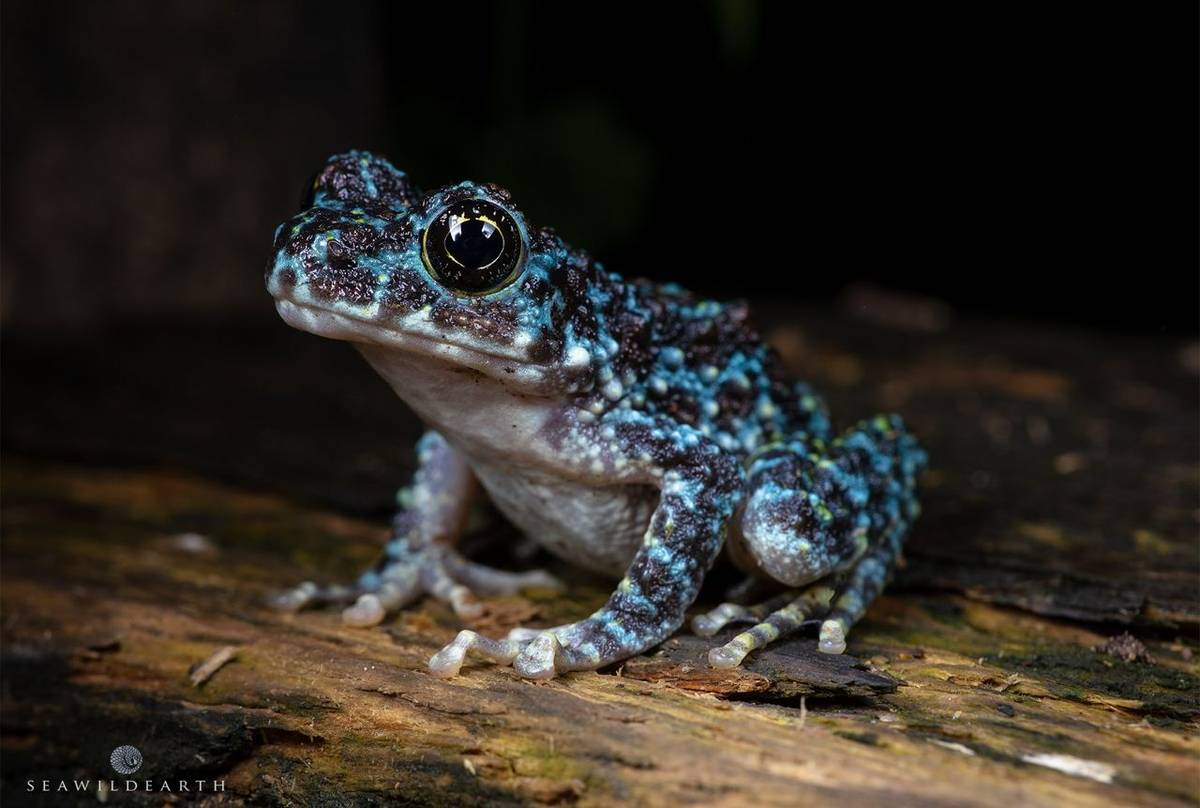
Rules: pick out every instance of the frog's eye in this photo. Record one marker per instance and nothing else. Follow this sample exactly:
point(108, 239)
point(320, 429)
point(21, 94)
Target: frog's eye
point(473, 247)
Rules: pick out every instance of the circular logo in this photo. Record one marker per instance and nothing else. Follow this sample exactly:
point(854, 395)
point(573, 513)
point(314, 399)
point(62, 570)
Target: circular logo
point(126, 759)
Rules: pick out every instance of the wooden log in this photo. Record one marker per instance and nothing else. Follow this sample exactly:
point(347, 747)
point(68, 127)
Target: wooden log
point(1061, 510)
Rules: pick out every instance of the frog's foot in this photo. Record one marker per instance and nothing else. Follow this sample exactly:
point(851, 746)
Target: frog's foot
point(405, 575)
point(543, 653)
point(606, 637)
point(812, 602)
point(449, 661)
point(374, 594)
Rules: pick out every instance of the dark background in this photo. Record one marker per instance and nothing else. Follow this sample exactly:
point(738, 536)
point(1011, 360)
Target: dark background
point(1033, 167)
point(1014, 161)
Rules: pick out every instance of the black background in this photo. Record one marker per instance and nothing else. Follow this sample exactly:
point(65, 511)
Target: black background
point(1024, 162)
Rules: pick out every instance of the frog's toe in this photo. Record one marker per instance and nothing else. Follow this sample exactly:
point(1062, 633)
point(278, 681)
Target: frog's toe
point(832, 638)
point(484, 580)
point(367, 611)
point(311, 594)
point(382, 594)
point(862, 585)
point(436, 581)
point(726, 656)
point(453, 579)
point(294, 599)
point(466, 606)
point(779, 623)
point(541, 658)
point(708, 624)
point(449, 661)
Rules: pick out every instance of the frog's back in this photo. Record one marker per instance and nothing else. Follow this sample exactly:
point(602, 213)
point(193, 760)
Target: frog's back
point(703, 363)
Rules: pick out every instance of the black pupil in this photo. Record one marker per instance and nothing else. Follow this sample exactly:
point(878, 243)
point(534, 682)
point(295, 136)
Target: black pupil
point(474, 243)
point(473, 247)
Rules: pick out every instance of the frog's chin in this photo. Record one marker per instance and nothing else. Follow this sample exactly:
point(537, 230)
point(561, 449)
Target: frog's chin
point(415, 335)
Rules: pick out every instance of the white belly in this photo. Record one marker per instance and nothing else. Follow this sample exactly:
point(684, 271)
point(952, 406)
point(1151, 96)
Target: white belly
point(596, 528)
point(501, 434)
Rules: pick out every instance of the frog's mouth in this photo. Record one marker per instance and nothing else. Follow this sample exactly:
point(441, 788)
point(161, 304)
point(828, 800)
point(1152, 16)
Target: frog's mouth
point(415, 333)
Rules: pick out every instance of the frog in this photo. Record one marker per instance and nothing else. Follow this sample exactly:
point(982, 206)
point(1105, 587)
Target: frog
point(629, 427)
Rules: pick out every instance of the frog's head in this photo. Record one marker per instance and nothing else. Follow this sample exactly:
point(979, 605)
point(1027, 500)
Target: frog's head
point(456, 275)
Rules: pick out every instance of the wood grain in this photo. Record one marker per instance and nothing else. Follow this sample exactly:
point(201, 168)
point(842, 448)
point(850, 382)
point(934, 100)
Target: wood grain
point(142, 534)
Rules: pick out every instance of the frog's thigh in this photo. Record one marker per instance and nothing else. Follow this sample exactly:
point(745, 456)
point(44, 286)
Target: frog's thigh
point(814, 508)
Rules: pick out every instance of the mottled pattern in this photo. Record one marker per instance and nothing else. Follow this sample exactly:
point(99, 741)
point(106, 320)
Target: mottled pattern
point(576, 374)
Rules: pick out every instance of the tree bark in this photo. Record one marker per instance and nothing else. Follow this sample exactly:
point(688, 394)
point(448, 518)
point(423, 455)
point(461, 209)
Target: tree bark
point(1060, 510)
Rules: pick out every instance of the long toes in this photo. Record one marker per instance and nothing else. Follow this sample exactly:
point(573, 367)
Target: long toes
point(448, 661)
point(731, 654)
point(435, 579)
point(706, 625)
point(540, 579)
point(404, 577)
point(539, 659)
point(466, 606)
point(778, 623)
point(400, 589)
point(524, 635)
point(310, 594)
point(294, 599)
point(366, 612)
point(488, 581)
point(727, 656)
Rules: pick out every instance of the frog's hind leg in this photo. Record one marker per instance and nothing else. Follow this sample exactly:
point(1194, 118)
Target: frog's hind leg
point(830, 516)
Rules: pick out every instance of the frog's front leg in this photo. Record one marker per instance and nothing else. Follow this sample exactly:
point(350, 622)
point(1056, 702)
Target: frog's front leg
point(420, 558)
point(699, 486)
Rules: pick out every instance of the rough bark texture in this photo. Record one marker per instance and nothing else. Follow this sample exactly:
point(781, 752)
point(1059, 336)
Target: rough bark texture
point(1061, 510)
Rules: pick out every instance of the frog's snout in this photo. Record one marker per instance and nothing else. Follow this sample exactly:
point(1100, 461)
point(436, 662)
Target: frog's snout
point(352, 214)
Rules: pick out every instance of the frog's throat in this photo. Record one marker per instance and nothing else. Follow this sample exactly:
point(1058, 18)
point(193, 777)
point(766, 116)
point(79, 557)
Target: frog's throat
point(415, 334)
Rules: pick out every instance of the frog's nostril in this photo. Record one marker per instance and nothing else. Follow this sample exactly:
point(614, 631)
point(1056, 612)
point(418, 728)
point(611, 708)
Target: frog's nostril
point(281, 273)
point(285, 276)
